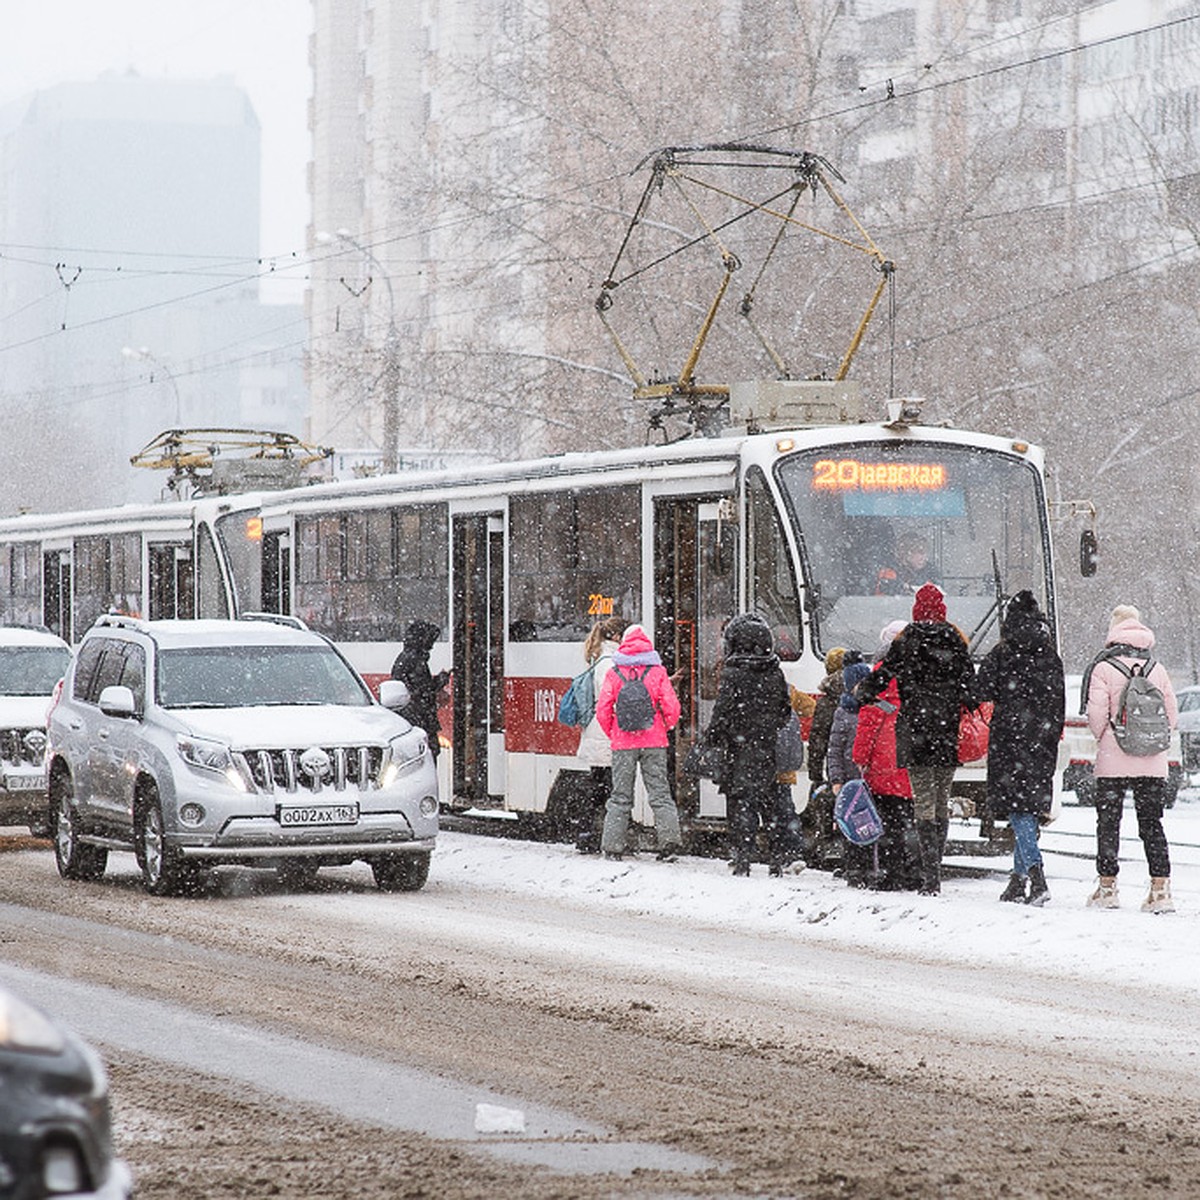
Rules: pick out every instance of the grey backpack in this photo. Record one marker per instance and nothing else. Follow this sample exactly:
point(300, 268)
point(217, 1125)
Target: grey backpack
point(634, 706)
point(1140, 726)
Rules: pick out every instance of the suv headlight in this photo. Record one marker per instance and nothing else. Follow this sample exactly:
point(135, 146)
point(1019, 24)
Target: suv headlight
point(205, 754)
point(22, 1027)
point(404, 754)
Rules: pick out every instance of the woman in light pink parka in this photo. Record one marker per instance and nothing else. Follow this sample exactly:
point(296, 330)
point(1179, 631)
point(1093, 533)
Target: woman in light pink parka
point(1116, 771)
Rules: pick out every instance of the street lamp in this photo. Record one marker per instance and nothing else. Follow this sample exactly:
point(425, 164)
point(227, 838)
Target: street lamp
point(391, 399)
point(142, 354)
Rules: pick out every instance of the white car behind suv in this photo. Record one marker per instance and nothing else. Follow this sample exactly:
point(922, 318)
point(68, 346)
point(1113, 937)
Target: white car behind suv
point(200, 743)
point(32, 661)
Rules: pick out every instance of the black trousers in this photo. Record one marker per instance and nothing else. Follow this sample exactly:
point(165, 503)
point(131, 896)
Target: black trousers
point(1148, 795)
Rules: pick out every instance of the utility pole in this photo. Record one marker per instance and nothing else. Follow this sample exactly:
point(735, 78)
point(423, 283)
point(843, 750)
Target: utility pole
point(391, 346)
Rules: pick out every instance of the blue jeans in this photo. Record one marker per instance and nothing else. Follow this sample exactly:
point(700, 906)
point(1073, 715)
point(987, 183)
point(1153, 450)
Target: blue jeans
point(1025, 842)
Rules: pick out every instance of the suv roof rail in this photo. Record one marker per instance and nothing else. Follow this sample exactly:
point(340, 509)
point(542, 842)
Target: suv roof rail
point(121, 621)
point(275, 618)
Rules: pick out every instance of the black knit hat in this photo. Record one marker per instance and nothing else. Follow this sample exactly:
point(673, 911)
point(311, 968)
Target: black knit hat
point(748, 633)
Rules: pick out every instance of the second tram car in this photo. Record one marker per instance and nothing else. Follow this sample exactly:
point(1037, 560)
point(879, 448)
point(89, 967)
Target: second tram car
point(515, 561)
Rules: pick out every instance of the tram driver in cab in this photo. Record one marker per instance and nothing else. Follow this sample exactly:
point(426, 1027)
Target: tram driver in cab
point(912, 568)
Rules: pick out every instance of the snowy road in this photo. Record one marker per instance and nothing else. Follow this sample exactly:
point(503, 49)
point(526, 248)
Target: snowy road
point(748, 1028)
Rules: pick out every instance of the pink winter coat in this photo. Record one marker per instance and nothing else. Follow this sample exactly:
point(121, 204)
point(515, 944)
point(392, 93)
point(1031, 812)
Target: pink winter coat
point(636, 654)
point(1104, 695)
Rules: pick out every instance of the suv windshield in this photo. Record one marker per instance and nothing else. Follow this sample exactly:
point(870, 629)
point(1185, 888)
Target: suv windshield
point(239, 676)
point(31, 670)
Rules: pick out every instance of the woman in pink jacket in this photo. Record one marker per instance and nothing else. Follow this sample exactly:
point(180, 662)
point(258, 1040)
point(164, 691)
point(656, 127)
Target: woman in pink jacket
point(636, 660)
point(1129, 642)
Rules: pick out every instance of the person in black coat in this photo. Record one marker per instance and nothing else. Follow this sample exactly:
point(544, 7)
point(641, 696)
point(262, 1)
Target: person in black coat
point(936, 678)
point(1023, 675)
point(412, 668)
point(751, 707)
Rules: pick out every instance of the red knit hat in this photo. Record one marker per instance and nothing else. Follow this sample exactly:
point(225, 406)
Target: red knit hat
point(930, 604)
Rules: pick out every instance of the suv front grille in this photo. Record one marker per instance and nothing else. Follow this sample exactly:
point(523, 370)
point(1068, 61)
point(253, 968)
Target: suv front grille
point(282, 770)
point(18, 747)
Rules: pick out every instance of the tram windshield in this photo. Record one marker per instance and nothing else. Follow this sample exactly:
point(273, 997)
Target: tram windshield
point(877, 520)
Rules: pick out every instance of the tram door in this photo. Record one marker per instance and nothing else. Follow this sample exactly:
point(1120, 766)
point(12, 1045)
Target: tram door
point(172, 583)
point(478, 658)
point(277, 573)
point(56, 592)
point(695, 588)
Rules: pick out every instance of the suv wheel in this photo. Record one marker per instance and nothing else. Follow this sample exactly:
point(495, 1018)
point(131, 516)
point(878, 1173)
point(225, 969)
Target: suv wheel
point(400, 872)
point(74, 859)
point(164, 870)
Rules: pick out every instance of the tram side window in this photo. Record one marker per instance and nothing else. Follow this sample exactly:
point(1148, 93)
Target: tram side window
point(210, 588)
point(107, 577)
point(21, 584)
point(240, 535)
point(772, 578)
point(362, 576)
point(574, 558)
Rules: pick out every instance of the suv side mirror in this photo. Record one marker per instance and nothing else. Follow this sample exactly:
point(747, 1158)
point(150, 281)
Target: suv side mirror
point(117, 701)
point(394, 694)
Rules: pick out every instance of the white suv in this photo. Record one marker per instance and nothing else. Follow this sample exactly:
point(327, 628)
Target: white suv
point(32, 661)
point(198, 743)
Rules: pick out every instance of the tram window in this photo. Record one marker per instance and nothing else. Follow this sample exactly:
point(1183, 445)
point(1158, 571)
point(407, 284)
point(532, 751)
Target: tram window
point(772, 579)
point(574, 558)
point(107, 577)
point(362, 576)
point(210, 592)
point(21, 584)
point(240, 534)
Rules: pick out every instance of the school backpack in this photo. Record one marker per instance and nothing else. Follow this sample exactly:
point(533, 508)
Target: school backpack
point(634, 707)
point(578, 704)
point(856, 814)
point(1140, 726)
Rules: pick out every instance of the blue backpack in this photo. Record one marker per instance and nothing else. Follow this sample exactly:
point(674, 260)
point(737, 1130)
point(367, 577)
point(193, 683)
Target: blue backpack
point(578, 705)
point(856, 815)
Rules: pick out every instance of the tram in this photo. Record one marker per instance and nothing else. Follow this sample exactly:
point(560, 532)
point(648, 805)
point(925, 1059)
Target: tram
point(515, 561)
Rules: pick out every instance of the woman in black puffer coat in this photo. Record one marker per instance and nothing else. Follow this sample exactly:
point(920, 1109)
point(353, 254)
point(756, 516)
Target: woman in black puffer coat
point(751, 707)
point(1023, 675)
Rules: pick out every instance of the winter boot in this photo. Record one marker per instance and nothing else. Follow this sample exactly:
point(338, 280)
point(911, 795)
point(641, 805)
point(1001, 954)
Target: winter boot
point(1159, 900)
point(1039, 893)
point(1015, 890)
point(929, 837)
point(1105, 895)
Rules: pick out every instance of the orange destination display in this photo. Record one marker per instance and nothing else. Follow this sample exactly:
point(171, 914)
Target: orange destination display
point(851, 474)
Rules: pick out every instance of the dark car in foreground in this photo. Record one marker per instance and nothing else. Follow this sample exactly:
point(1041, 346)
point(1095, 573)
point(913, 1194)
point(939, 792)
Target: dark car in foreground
point(55, 1130)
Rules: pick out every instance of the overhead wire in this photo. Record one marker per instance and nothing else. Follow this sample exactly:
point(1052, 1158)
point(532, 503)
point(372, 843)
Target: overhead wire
point(305, 260)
